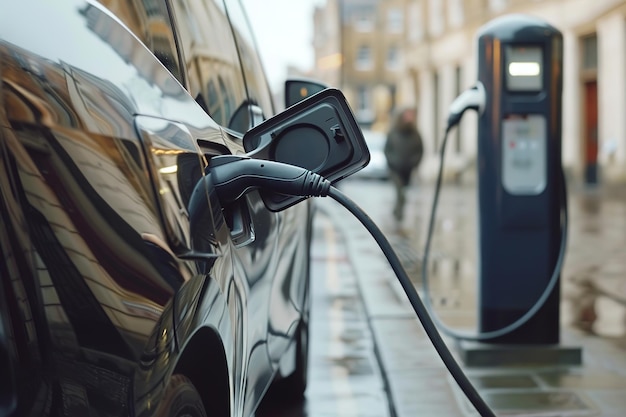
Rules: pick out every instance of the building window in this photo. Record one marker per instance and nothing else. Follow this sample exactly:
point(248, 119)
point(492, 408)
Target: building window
point(364, 22)
point(364, 58)
point(363, 98)
point(416, 22)
point(436, 17)
point(393, 58)
point(455, 13)
point(590, 52)
point(364, 113)
point(395, 23)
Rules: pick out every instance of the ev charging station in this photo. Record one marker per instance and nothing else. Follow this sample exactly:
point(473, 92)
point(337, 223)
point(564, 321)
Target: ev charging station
point(522, 201)
point(520, 61)
point(521, 194)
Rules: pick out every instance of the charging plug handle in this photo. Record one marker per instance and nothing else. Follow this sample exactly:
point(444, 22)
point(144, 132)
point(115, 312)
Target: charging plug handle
point(473, 98)
point(233, 176)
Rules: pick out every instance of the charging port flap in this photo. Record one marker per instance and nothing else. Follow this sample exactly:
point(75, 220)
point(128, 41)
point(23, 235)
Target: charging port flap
point(318, 133)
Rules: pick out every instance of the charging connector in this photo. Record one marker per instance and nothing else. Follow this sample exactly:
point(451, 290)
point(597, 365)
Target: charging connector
point(471, 99)
point(228, 177)
point(233, 176)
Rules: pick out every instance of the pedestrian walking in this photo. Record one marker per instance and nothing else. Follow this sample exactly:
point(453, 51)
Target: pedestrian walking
point(404, 150)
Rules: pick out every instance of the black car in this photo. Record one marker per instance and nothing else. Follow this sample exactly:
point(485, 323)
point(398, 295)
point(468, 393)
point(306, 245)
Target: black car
point(110, 303)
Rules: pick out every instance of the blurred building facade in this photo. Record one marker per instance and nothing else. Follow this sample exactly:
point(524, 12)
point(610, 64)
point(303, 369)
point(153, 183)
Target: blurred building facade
point(436, 60)
point(359, 46)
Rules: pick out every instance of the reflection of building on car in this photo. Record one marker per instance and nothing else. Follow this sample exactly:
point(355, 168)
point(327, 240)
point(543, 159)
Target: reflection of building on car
point(110, 304)
point(377, 167)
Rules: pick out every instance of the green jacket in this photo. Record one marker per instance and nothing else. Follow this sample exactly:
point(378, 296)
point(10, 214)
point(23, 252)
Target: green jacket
point(404, 149)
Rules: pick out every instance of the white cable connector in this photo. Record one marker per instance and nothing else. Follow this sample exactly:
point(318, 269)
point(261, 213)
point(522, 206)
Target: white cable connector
point(473, 98)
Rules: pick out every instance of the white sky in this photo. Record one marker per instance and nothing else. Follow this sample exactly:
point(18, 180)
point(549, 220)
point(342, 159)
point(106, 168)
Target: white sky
point(284, 32)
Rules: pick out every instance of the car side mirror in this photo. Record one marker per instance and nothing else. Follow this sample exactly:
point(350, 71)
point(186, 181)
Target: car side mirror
point(297, 90)
point(318, 133)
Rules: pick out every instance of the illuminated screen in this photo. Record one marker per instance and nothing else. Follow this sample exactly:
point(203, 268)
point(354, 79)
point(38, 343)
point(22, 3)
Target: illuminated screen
point(523, 68)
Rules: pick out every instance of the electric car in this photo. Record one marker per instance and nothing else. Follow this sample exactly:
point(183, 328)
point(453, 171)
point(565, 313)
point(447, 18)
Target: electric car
point(111, 303)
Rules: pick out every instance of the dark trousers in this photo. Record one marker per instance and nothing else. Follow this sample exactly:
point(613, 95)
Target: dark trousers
point(400, 181)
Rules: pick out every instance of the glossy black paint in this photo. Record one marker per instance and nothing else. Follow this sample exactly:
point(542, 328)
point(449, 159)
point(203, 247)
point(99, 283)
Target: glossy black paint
point(105, 291)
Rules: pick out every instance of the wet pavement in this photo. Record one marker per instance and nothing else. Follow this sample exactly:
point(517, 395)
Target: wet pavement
point(345, 378)
point(593, 307)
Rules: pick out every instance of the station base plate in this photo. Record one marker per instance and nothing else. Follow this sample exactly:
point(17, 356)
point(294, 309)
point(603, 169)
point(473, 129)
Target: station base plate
point(476, 354)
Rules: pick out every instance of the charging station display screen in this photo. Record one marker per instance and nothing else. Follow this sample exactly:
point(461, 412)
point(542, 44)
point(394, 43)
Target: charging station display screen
point(524, 150)
point(523, 68)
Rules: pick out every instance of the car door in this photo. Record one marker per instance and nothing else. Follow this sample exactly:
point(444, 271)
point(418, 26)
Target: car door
point(217, 81)
point(200, 52)
point(289, 283)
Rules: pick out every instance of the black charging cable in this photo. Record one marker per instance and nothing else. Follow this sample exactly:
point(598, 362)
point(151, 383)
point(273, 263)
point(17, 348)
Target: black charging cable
point(233, 176)
point(554, 279)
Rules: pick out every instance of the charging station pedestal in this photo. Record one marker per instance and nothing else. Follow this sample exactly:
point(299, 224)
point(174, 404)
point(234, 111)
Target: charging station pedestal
point(520, 63)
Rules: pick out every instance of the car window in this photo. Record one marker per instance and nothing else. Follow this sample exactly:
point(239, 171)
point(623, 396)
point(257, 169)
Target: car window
point(150, 21)
point(212, 64)
point(258, 90)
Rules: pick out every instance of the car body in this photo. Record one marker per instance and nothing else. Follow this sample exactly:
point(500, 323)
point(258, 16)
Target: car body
point(377, 168)
point(110, 304)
